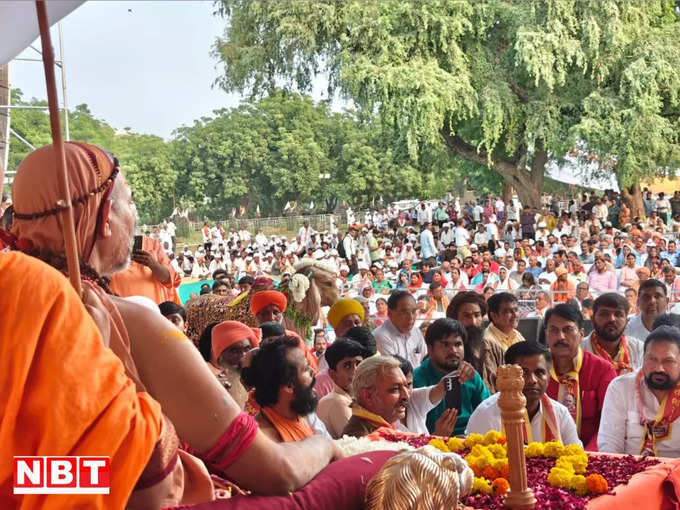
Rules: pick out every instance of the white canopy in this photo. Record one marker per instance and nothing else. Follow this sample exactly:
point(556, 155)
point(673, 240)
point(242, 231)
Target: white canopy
point(19, 24)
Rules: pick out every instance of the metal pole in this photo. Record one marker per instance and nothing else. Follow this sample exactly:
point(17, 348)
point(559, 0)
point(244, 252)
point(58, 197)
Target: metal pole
point(68, 223)
point(5, 96)
point(22, 139)
point(63, 83)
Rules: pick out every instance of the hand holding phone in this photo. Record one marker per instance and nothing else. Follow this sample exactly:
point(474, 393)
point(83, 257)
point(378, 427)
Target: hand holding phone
point(137, 244)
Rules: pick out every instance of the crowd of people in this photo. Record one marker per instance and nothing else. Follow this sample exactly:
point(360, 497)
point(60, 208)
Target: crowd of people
point(425, 306)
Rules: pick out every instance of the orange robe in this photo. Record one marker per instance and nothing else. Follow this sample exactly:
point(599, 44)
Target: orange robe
point(62, 392)
point(138, 280)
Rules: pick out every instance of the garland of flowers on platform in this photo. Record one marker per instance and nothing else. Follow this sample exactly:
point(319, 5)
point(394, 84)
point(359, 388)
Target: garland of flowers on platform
point(573, 477)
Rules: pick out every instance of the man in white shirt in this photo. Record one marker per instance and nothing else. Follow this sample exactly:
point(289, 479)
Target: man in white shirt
point(549, 419)
point(461, 235)
point(399, 334)
point(172, 230)
point(610, 316)
point(423, 214)
point(548, 277)
point(652, 301)
point(630, 422)
point(261, 239)
point(305, 234)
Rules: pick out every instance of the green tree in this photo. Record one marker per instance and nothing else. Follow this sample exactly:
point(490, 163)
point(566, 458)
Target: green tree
point(504, 84)
point(284, 148)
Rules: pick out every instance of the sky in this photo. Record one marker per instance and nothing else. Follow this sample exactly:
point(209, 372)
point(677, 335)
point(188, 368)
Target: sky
point(143, 65)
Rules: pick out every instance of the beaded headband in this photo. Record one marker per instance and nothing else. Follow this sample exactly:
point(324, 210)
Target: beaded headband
point(80, 200)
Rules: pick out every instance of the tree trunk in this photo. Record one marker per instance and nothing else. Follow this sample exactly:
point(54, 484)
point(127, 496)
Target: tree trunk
point(528, 185)
point(507, 192)
point(632, 196)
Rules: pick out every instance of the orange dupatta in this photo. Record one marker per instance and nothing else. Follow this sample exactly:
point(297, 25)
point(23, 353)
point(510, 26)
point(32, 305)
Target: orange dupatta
point(660, 428)
point(622, 360)
point(289, 430)
point(569, 385)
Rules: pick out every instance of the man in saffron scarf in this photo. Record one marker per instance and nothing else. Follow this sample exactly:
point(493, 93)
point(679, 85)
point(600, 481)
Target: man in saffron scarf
point(380, 396)
point(549, 420)
point(641, 410)
point(578, 379)
point(608, 341)
point(284, 390)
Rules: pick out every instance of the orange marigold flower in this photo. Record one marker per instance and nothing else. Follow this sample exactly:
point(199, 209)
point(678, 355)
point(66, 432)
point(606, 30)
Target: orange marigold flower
point(500, 486)
point(505, 472)
point(597, 484)
point(490, 473)
point(502, 440)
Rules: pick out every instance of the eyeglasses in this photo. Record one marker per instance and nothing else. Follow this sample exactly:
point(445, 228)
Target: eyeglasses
point(566, 331)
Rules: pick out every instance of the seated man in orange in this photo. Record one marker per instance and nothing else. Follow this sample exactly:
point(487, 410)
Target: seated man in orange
point(284, 390)
point(563, 290)
point(149, 274)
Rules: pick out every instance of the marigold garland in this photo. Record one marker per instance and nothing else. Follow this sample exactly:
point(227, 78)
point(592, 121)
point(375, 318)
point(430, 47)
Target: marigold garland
point(488, 459)
point(500, 486)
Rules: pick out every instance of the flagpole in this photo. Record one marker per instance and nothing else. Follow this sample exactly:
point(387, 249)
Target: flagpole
point(64, 203)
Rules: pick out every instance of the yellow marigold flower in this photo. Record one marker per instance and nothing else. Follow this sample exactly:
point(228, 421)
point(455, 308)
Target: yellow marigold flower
point(578, 485)
point(559, 477)
point(473, 439)
point(499, 464)
point(455, 444)
point(481, 485)
point(498, 451)
point(492, 437)
point(564, 463)
point(553, 449)
point(478, 461)
point(574, 449)
point(439, 444)
point(578, 462)
point(534, 450)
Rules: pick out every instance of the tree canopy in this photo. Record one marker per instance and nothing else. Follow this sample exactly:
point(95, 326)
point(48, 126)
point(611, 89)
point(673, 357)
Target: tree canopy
point(504, 84)
point(285, 148)
point(282, 148)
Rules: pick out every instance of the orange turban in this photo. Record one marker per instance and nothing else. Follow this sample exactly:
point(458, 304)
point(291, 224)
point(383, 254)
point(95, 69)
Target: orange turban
point(227, 333)
point(265, 298)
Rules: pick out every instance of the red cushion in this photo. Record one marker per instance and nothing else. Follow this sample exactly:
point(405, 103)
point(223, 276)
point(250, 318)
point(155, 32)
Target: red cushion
point(339, 486)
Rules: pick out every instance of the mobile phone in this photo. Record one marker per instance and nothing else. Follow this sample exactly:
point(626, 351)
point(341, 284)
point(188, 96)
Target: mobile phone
point(453, 394)
point(137, 245)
